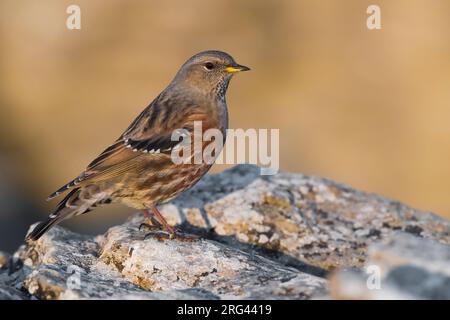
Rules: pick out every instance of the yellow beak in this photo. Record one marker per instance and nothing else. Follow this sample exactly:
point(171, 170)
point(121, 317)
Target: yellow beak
point(236, 68)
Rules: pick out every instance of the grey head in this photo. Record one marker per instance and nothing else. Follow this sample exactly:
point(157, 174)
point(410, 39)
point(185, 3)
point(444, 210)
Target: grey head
point(208, 72)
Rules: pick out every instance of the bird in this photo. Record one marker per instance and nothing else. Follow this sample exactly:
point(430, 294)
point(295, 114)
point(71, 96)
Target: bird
point(138, 170)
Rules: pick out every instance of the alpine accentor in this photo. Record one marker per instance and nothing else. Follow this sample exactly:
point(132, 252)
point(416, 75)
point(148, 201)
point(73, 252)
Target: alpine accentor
point(137, 169)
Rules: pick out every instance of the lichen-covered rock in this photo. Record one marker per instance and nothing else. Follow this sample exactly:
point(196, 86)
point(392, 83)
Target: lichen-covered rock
point(64, 265)
point(122, 264)
point(299, 220)
point(264, 237)
point(223, 270)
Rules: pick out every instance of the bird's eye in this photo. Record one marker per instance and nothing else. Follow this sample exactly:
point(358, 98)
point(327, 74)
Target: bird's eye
point(209, 66)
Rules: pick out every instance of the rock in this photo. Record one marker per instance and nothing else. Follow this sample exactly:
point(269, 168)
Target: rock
point(225, 271)
point(64, 265)
point(121, 263)
point(310, 223)
point(8, 288)
point(263, 237)
point(8, 292)
point(404, 249)
point(408, 267)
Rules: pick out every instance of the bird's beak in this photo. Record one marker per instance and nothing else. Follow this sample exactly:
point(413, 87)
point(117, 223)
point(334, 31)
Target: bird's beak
point(236, 68)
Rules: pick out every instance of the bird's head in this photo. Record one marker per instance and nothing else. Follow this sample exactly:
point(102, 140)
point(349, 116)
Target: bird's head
point(209, 71)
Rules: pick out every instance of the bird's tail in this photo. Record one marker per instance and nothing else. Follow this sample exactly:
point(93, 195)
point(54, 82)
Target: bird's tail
point(70, 206)
point(64, 210)
point(41, 228)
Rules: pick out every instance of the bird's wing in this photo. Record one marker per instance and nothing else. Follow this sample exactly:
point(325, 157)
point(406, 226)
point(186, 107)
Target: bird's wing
point(149, 134)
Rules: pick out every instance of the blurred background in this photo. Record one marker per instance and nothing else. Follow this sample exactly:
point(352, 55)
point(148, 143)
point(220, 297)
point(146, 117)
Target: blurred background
point(367, 108)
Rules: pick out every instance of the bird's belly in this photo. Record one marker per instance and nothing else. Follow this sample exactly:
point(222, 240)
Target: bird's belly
point(152, 188)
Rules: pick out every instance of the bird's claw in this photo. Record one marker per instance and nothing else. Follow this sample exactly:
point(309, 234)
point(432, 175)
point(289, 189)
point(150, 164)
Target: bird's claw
point(149, 227)
point(164, 235)
point(161, 232)
point(158, 235)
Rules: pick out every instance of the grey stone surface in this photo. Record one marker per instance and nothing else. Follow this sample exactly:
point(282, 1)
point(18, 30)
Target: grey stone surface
point(64, 265)
point(409, 268)
point(121, 264)
point(303, 221)
point(269, 237)
point(9, 287)
point(8, 292)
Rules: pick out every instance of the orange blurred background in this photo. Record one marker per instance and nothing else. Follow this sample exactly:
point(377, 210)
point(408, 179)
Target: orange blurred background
point(367, 108)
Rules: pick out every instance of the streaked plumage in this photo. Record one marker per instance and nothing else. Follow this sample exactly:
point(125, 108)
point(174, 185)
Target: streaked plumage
point(137, 169)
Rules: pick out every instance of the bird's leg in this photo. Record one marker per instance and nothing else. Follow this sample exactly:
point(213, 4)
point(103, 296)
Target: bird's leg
point(171, 232)
point(163, 221)
point(155, 225)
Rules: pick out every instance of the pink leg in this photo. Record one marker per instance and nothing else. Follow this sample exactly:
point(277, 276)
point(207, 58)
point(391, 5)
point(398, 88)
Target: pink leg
point(159, 216)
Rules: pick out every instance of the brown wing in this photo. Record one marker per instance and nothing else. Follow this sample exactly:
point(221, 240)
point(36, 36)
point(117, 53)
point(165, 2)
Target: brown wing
point(149, 134)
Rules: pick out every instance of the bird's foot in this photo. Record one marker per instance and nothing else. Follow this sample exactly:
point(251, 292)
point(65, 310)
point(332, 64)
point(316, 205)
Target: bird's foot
point(166, 235)
point(149, 227)
point(158, 235)
point(157, 227)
